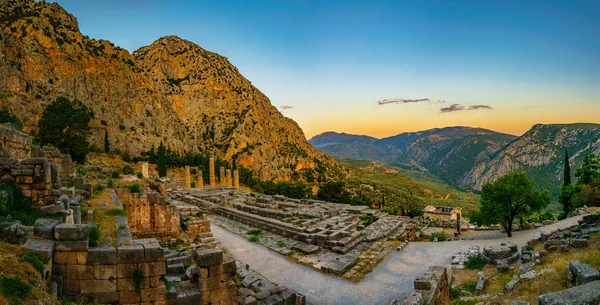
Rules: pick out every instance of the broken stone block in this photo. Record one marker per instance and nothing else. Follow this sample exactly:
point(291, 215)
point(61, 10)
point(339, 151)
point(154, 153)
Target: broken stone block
point(75, 246)
point(71, 232)
point(579, 243)
point(42, 247)
point(208, 258)
point(511, 285)
point(103, 255)
point(530, 275)
point(584, 294)
point(44, 228)
point(178, 268)
point(583, 273)
point(480, 283)
point(51, 209)
point(130, 254)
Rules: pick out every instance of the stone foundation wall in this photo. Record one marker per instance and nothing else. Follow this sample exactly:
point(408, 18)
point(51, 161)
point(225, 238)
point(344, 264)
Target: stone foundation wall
point(63, 161)
point(34, 177)
point(150, 215)
point(14, 144)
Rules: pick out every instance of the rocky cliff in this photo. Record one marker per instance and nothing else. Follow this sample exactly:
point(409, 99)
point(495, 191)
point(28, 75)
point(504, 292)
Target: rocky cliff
point(540, 152)
point(171, 91)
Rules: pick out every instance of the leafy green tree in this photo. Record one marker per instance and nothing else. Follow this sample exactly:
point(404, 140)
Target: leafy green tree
point(7, 117)
point(161, 162)
point(589, 171)
point(66, 125)
point(510, 197)
point(106, 142)
point(334, 192)
point(567, 171)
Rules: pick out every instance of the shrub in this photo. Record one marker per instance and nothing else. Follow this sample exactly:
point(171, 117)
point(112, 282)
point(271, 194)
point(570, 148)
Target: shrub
point(367, 220)
point(474, 263)
point(135, 188)
point(115, 175)
point(34, 259)
point(116, 212)
point(13, 287)
point(254, 232)
point(138, 279)
point(94, 236)
point(128, 170)
point(125, 156)
point(140, 176)
point(440, 236)
point(111, 184)
point(193, 184)
point(81, 171)
point(99, 188)
point(254, 239)
point(122, 127)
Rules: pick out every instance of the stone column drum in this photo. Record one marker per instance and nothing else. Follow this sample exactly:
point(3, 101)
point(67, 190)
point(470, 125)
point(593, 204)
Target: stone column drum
point(188, 179)
point(228, 178)
point(200, 180)
point(236, 179)
point(211, 173)
point(145, 170)
point(222, 181)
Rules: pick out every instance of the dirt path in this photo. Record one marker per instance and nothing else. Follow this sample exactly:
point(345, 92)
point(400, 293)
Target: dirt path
point(389, 281)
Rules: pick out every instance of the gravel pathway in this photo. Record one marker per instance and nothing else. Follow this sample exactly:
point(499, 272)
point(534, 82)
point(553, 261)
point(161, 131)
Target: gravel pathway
point(391, 280)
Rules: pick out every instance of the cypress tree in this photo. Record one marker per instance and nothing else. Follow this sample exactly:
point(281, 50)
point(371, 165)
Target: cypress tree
point(161, 163)
point(567, 170)
point(106, 143)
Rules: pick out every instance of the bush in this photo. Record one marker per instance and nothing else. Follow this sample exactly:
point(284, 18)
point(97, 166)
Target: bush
point(111, 184)
point(81, 171)
point(254, 239)
point(138, 279)
point(99, 188)
point(135, 188)
point(34, 259)
point(474, 263)
point(94, 236)
point(13, 287)
point(122, 127)
point(440, 236)
point(115, 175)
point(140, 176)
point(128, 170)
point(116, 212)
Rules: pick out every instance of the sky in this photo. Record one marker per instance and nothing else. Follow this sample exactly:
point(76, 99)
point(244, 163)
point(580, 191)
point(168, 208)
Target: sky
point(385, 67)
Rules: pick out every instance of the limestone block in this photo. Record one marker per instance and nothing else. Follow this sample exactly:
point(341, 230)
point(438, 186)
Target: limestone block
point(71, 258)
point(127, 284)
point(95, 286)
point(153, 252)
point(71, 287)
point(103, 255)
point(583, 273)
point(130, 254)
point(41, 247)
point(71, 232)
point(194, 297)
point(212, 283)
point(129, 297)
point(105, 297)
point(126, 270)
point(208, 257)
point(105, 272)
point(216, 271)
point(51, 209)
point(150, 294)
point(221, 293)
point(76, 246)
point(288, 296)
point(584, 294)
point(80, 272)
point(154, 268)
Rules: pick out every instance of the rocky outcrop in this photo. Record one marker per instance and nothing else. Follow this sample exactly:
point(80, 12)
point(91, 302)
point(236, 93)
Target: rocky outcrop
point(172, 91)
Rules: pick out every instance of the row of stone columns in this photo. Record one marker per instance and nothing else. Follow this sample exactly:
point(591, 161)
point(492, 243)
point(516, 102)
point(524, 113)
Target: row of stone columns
point(225, 177)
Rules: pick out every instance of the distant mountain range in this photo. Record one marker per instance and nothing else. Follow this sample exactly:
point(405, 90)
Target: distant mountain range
point(471, 157)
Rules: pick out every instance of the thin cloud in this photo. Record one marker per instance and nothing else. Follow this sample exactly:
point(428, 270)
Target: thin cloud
point(452, 108)
point(284, 107)
point(478, 107)
point(401, 101)
point(459, 107)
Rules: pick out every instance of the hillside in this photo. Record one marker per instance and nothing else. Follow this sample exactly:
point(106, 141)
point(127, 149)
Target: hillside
point(171, 91)
point(446, 152)
point(540, 152)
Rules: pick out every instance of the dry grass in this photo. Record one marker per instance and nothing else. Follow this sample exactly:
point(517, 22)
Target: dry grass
point(11, 265)
point(107, 223)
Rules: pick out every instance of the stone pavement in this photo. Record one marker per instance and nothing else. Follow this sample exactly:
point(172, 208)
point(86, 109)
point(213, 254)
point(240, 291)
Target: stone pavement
point(391, 280)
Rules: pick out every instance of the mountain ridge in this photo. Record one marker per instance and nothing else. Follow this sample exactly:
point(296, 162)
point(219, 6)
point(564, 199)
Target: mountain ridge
point(470, 157)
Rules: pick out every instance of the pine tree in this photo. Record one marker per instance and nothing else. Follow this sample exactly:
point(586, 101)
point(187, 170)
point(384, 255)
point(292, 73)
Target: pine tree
point(567, 179)
point(106, 143)
point(162, 161)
